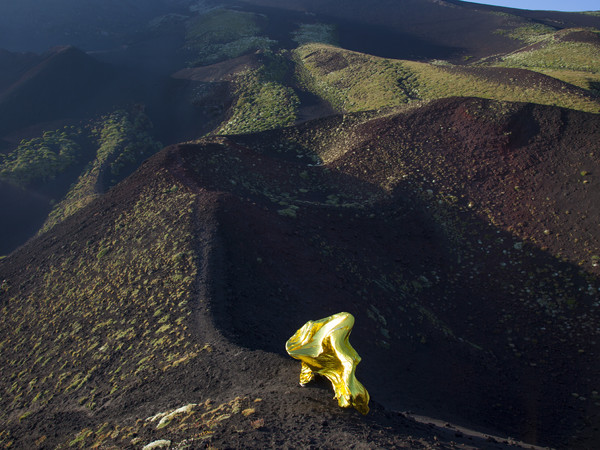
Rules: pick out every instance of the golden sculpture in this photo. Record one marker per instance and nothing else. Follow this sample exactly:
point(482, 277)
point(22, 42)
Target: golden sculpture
point(322, 346)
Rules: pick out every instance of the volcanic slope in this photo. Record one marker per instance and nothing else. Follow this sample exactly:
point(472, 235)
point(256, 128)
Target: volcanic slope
point(437, 227)
point(272, 90)
point(426, 29)
point(14, 65)
point(111, 337)
point(65, 83)
point(570, 55)
point(353, 81)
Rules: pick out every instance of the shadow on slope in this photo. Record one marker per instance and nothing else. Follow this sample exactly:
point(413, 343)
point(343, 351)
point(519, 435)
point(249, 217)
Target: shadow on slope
point(468, 319)
point(355, 33)
point(31, 25)
point(23, 214)
point(13, 66)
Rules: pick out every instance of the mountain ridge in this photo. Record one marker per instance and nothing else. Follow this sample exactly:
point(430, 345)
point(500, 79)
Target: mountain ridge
point(30, 98)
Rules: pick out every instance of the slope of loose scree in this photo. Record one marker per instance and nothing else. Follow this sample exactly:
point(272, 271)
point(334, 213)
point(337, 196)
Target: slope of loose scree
point(108, 335)
point(175, 292)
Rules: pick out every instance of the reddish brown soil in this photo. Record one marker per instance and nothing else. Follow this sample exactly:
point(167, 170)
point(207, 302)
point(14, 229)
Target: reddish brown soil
point(430, 228)
point(462, 234)
point(586, 36)
point(284, 414)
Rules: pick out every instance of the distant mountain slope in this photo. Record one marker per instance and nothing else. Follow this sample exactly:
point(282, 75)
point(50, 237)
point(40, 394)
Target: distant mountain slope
point(436, 226)
point(412, 29)
point(428, 28)
point(13, 66)
point(65, 82)
point(353, 81)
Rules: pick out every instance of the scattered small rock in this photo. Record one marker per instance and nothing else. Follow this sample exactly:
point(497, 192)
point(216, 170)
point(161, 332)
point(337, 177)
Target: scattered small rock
point(161, 443)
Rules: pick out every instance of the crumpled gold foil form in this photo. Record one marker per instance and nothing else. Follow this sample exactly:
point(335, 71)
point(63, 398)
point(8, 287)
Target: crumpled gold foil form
point(322, 346)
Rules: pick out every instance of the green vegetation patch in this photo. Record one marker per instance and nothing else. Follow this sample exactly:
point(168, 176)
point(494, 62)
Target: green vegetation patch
point(440, 82)
point(222, 25)
point(353, 81)
point(123, 138)
point(41, 159)
point(585, 80)
point(223, 34)
point(570, 55)
point(553, 54)
point(529, 33)
point(264, 102)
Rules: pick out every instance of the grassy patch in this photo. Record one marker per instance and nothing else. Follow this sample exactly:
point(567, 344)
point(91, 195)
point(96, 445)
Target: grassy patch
point(570, 60)
point(585, 80)
point(438, 82)
point(41, 159)
point(355, 82)
point(578, 56)
point(264, 101)
point(222, 34)
point(123, 139)
point(529, 33)
point(221, 25)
